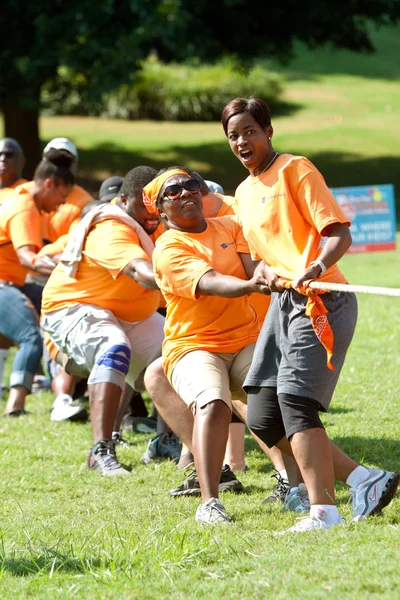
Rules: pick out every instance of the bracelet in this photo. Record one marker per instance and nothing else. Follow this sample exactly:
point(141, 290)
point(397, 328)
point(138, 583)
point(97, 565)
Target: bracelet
point(320, 264)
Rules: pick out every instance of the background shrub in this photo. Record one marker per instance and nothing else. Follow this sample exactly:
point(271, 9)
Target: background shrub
point(173, 92)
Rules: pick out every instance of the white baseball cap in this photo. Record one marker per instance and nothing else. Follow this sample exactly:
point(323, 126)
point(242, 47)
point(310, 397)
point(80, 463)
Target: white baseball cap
point(215, 188)
point(61, 144)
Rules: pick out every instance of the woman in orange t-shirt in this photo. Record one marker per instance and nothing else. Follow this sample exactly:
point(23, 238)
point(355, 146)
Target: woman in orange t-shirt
point(202, 267)
point(20, 241)
point(286, 209)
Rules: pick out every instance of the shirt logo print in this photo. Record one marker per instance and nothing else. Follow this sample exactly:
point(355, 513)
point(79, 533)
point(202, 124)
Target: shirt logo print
point(224, 245)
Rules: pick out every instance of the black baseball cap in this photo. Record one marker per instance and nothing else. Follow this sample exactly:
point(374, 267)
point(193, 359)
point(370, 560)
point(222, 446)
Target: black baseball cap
point(110, 188)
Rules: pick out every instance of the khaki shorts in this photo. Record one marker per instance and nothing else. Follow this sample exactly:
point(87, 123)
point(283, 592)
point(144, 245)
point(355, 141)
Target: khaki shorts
point(201, 377)
point(111, 350)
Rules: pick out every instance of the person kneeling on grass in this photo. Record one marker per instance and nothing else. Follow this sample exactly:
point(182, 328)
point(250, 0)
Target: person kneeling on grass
point(202, 267)
point(99, 309)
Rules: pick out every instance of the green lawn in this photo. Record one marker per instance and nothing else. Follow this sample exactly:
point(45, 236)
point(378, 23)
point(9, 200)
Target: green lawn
point(69, 533)
point(340, 110)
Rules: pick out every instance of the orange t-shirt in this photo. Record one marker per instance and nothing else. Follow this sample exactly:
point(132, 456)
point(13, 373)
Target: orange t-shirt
point(10, 190)
point(195, 322)
point(20, 225)
point(284, 212)
point(108, 248)
point(259, 302)
point(58, 223)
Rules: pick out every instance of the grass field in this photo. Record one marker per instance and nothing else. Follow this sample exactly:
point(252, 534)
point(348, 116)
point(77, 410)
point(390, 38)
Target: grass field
point(340, 110)
point(67, 533)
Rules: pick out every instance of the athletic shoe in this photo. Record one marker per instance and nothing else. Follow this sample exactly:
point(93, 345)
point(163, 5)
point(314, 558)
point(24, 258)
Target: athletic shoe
point(212, 512)
point(373, 495)
point(144, 425)
point(311, 523)
point(191, 486)
point(102, 458)
point(165, 445)
point(66, 409)
point(297, 499)
point(279, 492)
point(118, 440)
point(229, 482)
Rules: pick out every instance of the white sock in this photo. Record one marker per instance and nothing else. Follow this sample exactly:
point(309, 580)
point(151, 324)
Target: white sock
point(3, 358)
point(330, 509)
point(283, 474)
point(358, 476)
point(64, 397)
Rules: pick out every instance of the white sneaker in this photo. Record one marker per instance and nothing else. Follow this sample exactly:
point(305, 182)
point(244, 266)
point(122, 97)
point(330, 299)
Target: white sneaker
point(212, 512)
point(310, 523)
point(64, 409)
point(371, 496)
point(297, 499)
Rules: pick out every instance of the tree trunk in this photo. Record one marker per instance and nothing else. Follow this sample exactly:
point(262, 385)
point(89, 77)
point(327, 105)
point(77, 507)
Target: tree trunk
point(22, 124)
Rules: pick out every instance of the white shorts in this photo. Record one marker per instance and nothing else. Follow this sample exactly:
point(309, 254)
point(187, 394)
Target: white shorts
point(110, 349)
point(201, 377)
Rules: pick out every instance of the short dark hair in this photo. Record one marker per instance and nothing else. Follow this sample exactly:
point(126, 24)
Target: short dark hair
point(136, 179)
point(58, 170)
point(256, 107)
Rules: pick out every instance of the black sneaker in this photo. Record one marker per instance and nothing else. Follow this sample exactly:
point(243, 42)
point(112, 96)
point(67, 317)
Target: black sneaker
point(102, 458)
point(229, 481)
point(279, 492)
point(191, 486)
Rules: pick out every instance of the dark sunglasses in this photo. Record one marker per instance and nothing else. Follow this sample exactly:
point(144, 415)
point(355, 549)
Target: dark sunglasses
point(173, 192)
point(6, 153)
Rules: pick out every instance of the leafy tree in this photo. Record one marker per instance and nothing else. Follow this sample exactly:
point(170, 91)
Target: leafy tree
point(101, 42)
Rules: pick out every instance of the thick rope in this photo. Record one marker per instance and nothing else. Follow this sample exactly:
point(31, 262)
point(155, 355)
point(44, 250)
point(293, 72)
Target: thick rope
point(358, 289)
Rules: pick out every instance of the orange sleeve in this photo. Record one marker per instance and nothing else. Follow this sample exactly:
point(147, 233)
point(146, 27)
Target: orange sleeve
point(113, 251)
point(24, 228)
point(241, 244)
point(178, 270)
point(317, 203)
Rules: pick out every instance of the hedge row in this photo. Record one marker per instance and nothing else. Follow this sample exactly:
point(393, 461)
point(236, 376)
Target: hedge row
point(173, 92)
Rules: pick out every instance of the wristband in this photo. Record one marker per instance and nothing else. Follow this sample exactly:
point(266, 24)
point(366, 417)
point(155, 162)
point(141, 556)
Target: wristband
point(320, 264)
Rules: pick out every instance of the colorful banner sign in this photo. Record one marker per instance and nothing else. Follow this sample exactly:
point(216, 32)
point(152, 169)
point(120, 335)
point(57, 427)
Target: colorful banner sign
point(372, 212)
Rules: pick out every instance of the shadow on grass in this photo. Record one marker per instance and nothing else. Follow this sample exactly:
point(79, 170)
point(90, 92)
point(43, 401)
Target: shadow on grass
point(216, 162)
point(34, 565)
point(382, 452)
point(339, 410)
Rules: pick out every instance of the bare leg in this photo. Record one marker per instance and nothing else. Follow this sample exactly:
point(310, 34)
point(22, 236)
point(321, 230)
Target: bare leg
point(104, 401)
point(343, 465)
point(234, 454)
point(63, 383)
point(278, 456)
point(170, 406)
point(16, 399)
point(125, 399)
point(210, 434)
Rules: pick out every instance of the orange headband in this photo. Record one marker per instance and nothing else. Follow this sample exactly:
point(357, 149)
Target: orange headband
point(152, 189)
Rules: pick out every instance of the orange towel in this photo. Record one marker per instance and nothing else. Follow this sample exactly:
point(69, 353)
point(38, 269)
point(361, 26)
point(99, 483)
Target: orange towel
point(316, 310)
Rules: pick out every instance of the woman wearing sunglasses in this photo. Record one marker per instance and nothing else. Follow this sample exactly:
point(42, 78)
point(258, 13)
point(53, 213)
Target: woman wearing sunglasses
point(205, 272)
point(286, 209)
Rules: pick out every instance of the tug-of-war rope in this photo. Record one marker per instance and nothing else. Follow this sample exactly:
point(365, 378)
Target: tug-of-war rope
point(358, 289)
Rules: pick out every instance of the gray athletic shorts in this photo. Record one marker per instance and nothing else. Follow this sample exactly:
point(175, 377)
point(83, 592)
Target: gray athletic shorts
point(288, 354)
point(110, 349)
